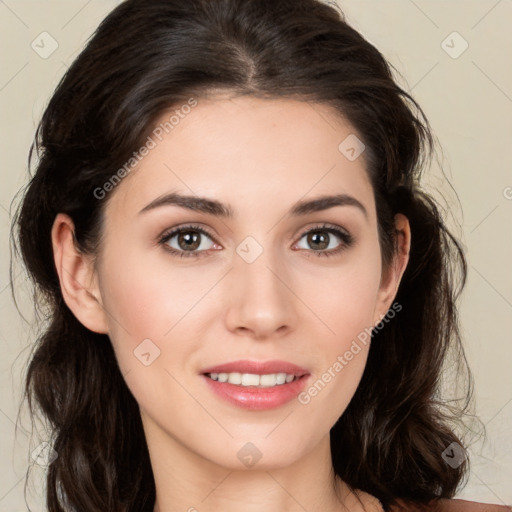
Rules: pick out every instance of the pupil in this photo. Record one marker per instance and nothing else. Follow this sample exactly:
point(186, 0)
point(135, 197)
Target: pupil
point(191, 241)
point(316, 238)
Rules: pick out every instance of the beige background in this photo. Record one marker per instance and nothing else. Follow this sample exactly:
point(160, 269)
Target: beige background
point(466, 95)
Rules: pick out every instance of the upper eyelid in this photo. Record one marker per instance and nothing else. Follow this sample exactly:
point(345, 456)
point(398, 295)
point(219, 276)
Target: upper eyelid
point(327, 226)
point(167, 233)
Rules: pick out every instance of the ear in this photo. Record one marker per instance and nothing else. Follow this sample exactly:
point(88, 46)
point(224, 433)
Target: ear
point(391, 279)
point(77, 276)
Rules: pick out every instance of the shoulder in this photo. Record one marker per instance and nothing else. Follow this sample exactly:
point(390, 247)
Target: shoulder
point(451, 505)
point(470, 506)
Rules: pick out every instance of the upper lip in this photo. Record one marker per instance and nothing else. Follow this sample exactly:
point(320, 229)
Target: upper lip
point(257, 368)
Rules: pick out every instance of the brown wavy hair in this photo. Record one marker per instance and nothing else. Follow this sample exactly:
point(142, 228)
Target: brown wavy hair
point(148, 56)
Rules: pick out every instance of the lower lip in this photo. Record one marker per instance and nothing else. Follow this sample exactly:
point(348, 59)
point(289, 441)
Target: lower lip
point(254, 398)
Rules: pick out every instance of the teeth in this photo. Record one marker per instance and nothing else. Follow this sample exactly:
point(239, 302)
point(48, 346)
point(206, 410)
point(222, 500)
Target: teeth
point(251, 379)
point(267, 380)
point(235, 378)
point(280, 378)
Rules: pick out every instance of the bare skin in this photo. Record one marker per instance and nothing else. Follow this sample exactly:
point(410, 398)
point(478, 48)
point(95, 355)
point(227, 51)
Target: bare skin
point(290, 303)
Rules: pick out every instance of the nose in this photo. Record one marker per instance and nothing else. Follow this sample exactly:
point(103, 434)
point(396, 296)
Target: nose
point(261, 301)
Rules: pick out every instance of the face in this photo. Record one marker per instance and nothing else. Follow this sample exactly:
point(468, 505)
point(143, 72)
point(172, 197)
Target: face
point(189, 290)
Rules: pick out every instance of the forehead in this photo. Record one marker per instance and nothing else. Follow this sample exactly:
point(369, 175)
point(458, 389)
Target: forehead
point(248, 152)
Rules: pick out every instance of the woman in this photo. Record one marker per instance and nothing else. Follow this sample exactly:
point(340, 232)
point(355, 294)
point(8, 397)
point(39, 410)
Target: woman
point(250, 296)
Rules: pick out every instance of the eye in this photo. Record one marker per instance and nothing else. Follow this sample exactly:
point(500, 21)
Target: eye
point(321, 239)
point(186, 241)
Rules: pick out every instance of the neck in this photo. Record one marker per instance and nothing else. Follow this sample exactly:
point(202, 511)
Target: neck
point(188, 482)
point(185, 481)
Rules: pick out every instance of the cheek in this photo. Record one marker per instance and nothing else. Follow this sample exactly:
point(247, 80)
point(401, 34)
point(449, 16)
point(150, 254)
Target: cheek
point(147, 295)
point(346, 306)
point(345, 299)
point(147, 306)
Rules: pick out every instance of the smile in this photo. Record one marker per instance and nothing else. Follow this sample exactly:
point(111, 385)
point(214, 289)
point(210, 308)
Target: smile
point(256, 385)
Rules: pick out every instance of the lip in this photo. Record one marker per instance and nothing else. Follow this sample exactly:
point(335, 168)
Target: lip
point(257, 368)
point(252, 397)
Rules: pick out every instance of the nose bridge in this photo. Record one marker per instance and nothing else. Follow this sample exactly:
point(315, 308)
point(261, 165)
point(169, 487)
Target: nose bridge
point(260, 300)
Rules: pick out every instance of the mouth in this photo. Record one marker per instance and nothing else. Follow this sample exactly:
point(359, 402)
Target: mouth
point(256, 385)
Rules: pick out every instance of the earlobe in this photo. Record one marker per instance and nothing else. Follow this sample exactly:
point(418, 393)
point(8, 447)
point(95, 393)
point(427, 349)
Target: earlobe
point(77, 277)
point(389, 285)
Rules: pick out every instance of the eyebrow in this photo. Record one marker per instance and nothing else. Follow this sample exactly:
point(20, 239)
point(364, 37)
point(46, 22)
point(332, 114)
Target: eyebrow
point(218, 209)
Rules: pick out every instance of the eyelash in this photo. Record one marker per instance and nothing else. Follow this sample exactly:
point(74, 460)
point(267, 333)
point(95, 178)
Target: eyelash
point(346, 238)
